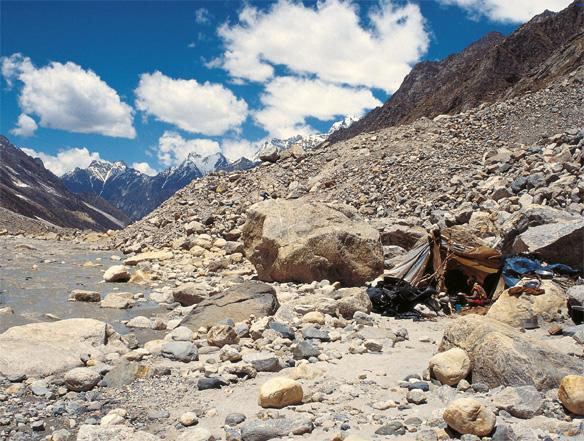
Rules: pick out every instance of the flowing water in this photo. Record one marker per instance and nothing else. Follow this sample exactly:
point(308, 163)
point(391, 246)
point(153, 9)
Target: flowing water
point(37, 276)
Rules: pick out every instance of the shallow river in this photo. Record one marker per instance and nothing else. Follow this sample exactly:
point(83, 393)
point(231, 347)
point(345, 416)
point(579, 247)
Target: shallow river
point(36, 277)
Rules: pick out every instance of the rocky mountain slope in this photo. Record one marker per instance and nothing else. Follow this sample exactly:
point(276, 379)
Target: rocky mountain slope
point(548, 46)
point(137, 194)
point(469, 167)
point(27, 188)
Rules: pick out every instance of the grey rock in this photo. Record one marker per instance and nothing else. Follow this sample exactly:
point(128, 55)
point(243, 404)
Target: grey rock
point(422, 385)
point(503, 432)
point(158, 414)
point(233, 419)
point(315, 333)
point(123, 373)
point(521, 402)
point(39, 388)
point(263, 361)
point(362, 318)
point(555, 243)
point(264, 430)
point(392, 428)
point(283, 329)
point(237, 302)
point(416, 396)
point(38, 426)
point(305, 349)
point(576, 332)
point(181, 351)
point(480, 387)
point(211, 383)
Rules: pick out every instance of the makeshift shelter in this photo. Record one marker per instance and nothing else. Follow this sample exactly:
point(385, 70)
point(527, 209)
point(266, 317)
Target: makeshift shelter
point(451, 259)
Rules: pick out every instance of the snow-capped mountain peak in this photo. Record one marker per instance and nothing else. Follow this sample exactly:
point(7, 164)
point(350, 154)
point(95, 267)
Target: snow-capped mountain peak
point(343, 124)
point(207, 164)
point(307, 142)
point(103, 170)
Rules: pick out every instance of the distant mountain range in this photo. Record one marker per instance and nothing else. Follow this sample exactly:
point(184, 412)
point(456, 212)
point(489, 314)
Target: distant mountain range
point(495, 67)
point(29, 189)
point(137, 194)
point(307, 142)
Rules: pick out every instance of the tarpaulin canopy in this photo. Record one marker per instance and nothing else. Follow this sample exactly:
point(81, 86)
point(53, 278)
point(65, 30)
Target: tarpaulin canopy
point(447, 250)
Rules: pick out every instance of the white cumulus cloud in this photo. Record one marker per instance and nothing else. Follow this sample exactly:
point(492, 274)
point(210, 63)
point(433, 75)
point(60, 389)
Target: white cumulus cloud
point(509, 10)
point(288, 101)
point(144, 167)
point(209, 109)
point(233, 149)
point(173, 149)
point(68, 97)
point(26, 126)
point(66, 160)
point(329, 41)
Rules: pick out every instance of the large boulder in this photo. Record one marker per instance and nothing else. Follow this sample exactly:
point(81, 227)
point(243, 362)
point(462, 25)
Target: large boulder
point(450, 367)
point(469, 416)
point(502, 355)
point(42, 349)
point(529, 216)
point(299, 241)
point(554, 243)
point(280, 392)
point(514, 308)
point(237, 303)
point(571, 393)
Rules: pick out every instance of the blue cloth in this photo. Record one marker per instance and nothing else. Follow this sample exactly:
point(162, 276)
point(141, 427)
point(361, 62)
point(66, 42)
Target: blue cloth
point(517, 267)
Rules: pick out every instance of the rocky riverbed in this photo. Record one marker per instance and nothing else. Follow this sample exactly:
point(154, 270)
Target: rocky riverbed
point(357, 375)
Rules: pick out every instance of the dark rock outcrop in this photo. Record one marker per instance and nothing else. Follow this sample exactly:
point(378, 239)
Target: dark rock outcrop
point(548, 46)
point(29, 189)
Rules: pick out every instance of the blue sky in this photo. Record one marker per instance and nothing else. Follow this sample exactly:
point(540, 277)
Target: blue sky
point(149, 82)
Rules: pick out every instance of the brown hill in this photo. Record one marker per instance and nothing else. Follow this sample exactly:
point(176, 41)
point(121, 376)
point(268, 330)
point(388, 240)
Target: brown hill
point(29, 189)
point(495, 67)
